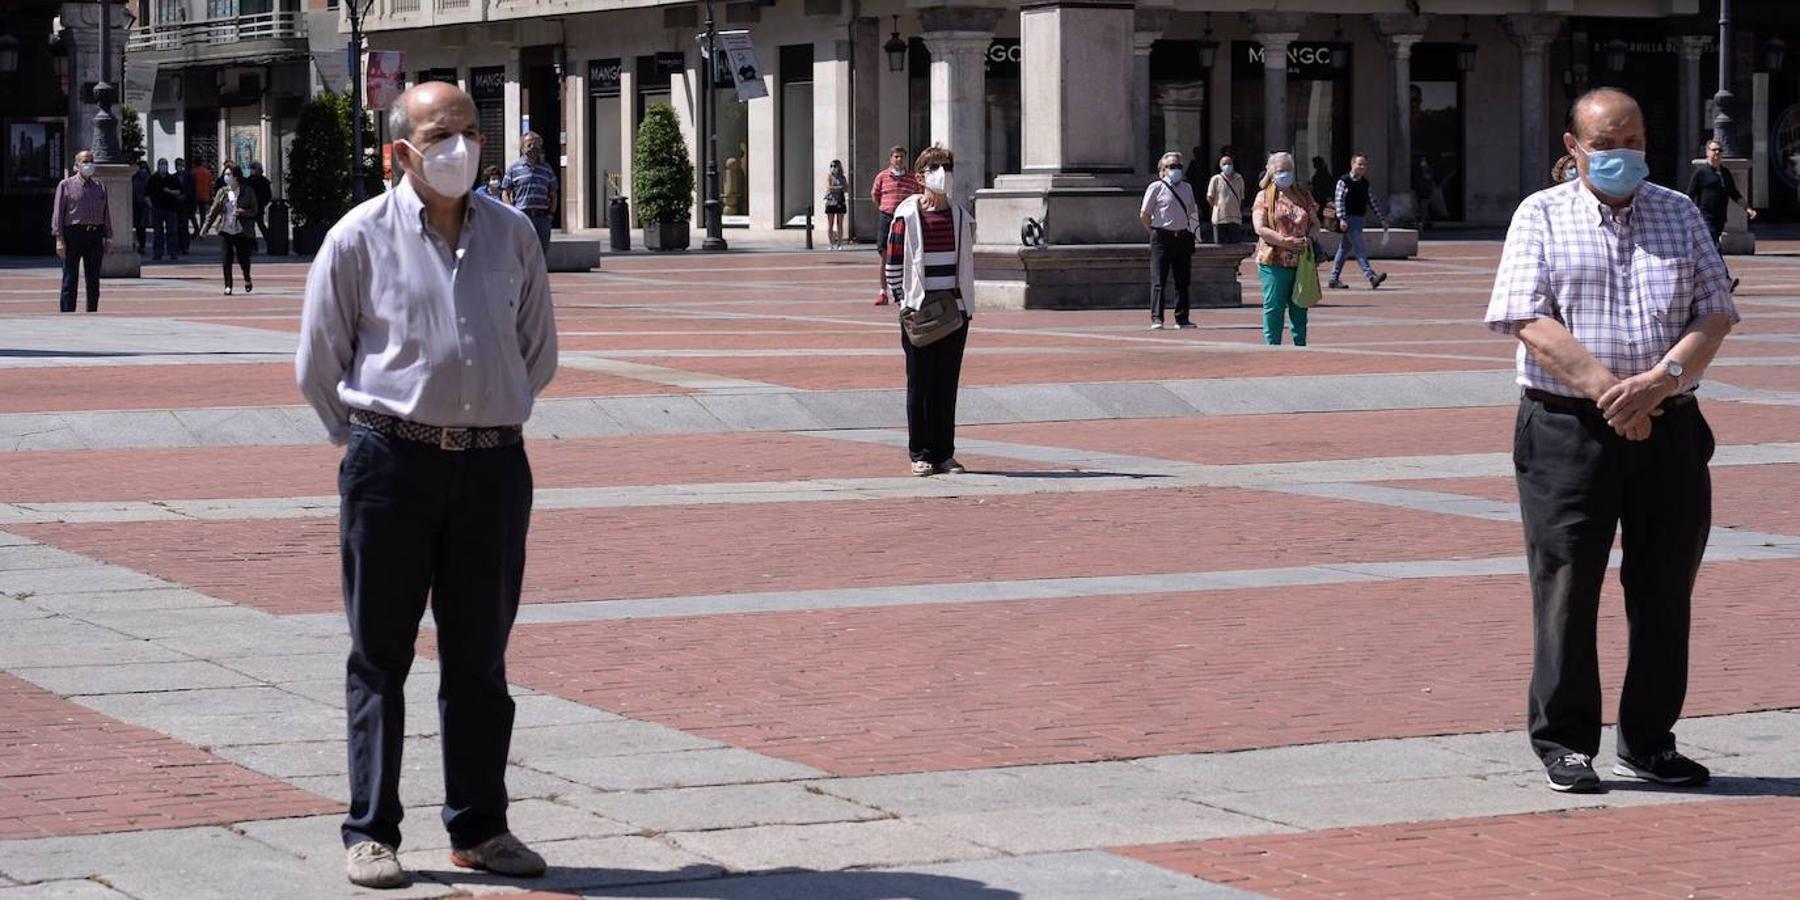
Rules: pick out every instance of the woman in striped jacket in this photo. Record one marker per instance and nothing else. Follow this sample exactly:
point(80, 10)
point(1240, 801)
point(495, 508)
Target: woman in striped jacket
point(929, 248)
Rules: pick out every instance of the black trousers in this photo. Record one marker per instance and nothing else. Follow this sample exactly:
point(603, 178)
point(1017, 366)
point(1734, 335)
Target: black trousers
point(83, 248)
point(419, 521)
point(1227, 232)
point(1171, 254)
point(240, 245)
point(1578, 483)
point(932, 373)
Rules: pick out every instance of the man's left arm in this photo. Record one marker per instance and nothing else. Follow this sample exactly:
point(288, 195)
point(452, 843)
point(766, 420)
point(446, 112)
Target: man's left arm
point(537, 318)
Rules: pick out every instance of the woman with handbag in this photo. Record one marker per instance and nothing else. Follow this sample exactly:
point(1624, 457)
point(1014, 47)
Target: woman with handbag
point(837, 188)
point(930, 272)
point(1284, 217)
point(234, 210)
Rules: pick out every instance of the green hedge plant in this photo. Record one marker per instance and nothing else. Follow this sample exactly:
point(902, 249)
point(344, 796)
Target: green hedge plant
point(662, 176)
point(318, 164)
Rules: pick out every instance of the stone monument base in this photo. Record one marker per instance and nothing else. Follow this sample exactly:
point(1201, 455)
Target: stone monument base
point(123, 261)
point(1401, 243)
point(1097, 276)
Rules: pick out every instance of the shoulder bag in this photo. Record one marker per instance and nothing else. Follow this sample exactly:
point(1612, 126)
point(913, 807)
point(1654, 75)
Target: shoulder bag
point(1306, 278)
point(939, 315)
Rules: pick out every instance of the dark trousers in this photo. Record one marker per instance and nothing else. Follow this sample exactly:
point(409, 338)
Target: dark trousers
point(188, 228)
point(1171, 254)
point(140, 220)
point(83, 247)
point(540, 220)
point(240, 245)
point(420, 521)
point(168, 233)
point(1578, 483)
point(1227, 232)
point(932, 373)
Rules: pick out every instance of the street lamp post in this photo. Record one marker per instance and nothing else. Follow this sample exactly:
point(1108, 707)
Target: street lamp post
point(106, 127)
point(356, 9)
point(709, 145)
point(1724, 129)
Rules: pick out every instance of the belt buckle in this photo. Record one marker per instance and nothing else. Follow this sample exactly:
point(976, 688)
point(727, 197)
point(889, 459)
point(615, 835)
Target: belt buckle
point(444, 438)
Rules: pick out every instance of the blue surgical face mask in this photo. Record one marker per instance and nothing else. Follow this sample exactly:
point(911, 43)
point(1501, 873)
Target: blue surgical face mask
point(1225, 169)
point(1172, 176)
point(1616, 173)
point(1284, 179)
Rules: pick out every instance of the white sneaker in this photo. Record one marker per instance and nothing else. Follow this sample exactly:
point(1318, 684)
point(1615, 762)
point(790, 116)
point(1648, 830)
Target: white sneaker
point(373, 865)
point(1156, 325)
point(922, 468)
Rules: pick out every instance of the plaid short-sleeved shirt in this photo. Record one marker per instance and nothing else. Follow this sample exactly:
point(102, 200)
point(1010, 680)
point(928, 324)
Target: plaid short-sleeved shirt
point(1626, 283)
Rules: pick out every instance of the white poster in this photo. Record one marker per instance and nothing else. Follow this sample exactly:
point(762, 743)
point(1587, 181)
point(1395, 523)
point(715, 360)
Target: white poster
point(140, 84)
point(740, 55)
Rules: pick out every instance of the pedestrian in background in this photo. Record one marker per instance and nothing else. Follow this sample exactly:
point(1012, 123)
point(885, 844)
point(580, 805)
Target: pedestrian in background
point(530, 186)
point(1354, 201)
point(837, 192)
point(892, 185)
point(1225, 194)
point(1322, 182)
point(234, 210)
point(930, 272)
point(82, 224)
point(491, 180)
point(203, 191)
point(1284, 217)
point(190, 224)
point(1713, 189)
point(1172, 216)
point(1609, 438)
point(425, 338)
point(1564, 171)
point(164, 190)
point(259, 184)
point(140, 204)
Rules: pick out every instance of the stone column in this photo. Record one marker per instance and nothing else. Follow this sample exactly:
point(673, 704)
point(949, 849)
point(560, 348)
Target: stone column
point(1533, 34)
point(1076, 86)
point(1689, 47)
point(868, 65)
point(1276, 32)
point(958, 38)
point(1150, 26)
point(1401, 32)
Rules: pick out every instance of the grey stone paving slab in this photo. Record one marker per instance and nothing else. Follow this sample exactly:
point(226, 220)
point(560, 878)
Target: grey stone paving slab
point(1088, 875)
point(308, 724)
point(133, 678)
point(1209, 775)
point(38, 556)
point(293, 668)
point(760, 411)
point(1124, 400)
point(1750, 734)
point(1044, 403)
point(422, 782)
point(293, 638)
point(725, 806)
point(1426, 799)
point(37, 431)
point(663, 414)
point(166, 623)
point(129, 428)
point(311, 759)
point(575, 865)
point(570, 418)
point(62, 890)
point(615, 737)
point(247, 427)
point(997, 790)
point(857, 409)
point(829, 846)
point(543, 710)
point(685, 768)
point(534, 821)
point(126, 600)
point(1097, 825)
point(76, 580)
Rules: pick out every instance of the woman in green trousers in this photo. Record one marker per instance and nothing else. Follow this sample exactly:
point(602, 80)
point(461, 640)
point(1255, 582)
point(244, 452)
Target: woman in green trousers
point(1284, 218)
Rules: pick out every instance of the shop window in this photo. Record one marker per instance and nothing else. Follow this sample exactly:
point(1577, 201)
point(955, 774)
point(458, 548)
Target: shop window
point(1178, 107)
point(801, 179)
point(1318, 101)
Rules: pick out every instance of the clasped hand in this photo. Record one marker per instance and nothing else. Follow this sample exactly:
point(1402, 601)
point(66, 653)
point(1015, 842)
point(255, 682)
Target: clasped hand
point(1631, 403)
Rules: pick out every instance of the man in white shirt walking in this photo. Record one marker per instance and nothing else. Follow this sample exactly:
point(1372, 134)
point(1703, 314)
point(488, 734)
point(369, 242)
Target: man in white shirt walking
point(426, 335)
point(1172, 216)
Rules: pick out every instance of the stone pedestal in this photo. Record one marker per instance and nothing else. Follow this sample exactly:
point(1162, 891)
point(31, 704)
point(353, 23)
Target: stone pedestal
point(1738, 241)
point(1078, 183)
point(1400, 243)
point(123, 261)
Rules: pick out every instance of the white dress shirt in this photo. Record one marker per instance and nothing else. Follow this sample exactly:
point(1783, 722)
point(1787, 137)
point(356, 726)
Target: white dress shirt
point(397, 322)
point(1171, 208)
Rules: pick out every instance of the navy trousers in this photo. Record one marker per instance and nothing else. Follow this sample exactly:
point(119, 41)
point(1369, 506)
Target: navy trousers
point(83, 248)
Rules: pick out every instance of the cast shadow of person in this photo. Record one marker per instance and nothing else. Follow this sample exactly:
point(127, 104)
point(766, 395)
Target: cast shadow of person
point(702, 882)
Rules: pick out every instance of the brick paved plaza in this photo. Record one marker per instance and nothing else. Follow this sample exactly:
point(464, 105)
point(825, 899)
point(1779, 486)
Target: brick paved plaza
point(1205, 618)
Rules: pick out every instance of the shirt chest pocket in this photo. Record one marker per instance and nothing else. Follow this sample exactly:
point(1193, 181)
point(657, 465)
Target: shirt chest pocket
point(1664, 286)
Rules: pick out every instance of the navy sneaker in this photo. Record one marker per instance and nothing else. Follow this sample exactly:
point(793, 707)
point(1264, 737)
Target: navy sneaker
point(1668, 767)
point(1573, 773)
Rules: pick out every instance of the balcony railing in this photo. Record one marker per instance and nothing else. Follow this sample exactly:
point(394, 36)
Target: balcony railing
point(403, 6)
point(256, 27)
point(452, 4)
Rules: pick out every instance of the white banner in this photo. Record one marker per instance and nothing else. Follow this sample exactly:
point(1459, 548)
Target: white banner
point(740, 56)
point(334, 69)
point(140, 85)
point(384, 77)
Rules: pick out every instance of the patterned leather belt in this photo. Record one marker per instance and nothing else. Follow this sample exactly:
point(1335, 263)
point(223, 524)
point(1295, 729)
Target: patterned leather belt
point(441, 438)
point(1584, 405)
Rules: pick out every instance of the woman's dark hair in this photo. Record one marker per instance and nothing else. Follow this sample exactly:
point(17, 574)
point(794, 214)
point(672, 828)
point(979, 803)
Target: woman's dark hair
point(837, 164)
point(232, 168)
point(490, 172)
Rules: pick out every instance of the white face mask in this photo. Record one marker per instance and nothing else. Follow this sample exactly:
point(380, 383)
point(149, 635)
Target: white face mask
point(494, 185)
point(1225, 169)
point(938, 180)
point(450, 165)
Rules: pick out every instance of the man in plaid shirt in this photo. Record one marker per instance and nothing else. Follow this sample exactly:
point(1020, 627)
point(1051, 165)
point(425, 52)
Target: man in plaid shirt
point(1619, 301)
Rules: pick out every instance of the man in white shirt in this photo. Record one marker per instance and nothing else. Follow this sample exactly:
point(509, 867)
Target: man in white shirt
point(426, 335)
point(1225, 194)
point(1172, 216)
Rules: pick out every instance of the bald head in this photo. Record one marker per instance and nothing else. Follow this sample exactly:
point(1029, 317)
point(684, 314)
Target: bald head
point(430, 112)
point(1605, 110)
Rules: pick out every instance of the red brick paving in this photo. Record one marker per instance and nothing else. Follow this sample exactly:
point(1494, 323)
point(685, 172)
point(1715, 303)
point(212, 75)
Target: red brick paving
point(65, 769)
point(1711, 849)
point(926, 688)
point(1766, 378)
point(291, 565)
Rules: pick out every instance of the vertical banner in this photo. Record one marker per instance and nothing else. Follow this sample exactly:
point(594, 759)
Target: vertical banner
point(740, 55)
point(384, 78)
point(140, 84)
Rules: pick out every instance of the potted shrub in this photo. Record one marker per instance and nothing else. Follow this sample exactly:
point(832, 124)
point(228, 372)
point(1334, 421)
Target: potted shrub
point(662, 180)
point(318, 169)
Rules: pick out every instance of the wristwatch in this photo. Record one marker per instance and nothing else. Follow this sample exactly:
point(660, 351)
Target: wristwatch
point(1675, 370)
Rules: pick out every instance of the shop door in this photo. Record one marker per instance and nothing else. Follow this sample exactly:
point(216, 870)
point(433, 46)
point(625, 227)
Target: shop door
point(1439, 175)
point(603, 156)
point(540, 88)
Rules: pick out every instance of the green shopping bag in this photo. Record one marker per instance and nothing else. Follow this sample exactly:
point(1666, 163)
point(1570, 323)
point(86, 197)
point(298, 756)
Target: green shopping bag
point(1306, 278)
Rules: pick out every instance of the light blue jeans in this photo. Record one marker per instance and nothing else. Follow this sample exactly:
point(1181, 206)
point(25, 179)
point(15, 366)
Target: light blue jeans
point(1353, 242)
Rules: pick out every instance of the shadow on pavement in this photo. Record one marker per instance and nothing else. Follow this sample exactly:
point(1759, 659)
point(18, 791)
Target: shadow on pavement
point(783, 884)
point(1069, 473)
point(1719, 786)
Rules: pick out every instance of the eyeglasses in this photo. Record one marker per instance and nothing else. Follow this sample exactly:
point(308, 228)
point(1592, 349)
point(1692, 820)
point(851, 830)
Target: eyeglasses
point(948, 167)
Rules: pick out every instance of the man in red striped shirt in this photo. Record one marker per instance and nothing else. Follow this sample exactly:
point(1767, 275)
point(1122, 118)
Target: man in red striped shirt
point(892, 185)
point(82, 223)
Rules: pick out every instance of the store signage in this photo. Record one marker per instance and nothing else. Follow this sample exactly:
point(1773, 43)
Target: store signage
point(1003, 58)
point(670, 62)
point(448, 76)
point(487, 83)
point(740, 56)
point(603, 77)
point(1311, 60)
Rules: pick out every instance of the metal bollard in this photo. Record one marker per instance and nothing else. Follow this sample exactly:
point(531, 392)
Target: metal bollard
point(809, 214)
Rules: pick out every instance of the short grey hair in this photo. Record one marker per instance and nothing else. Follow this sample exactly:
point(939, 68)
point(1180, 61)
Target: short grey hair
point(400, 126)
point(1173, 157)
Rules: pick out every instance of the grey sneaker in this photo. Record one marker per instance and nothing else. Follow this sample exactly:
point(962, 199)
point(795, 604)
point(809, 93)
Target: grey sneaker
point(1156, 324)
point(501, 854)
point(951, 467)
point(373, 865)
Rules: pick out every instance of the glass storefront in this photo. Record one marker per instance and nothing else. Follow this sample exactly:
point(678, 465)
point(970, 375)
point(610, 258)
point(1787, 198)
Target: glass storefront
point(487, 87)
point(1318, 104)
point(604, 154)
point(1178, 109)
point(1439, 177)
point(801, 180)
